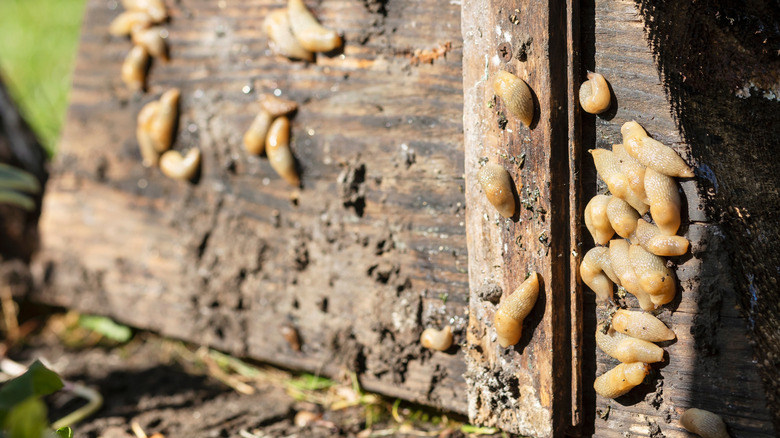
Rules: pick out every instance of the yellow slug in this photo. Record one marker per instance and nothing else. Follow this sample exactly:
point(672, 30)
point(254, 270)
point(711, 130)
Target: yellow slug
point(597, 272)
point(277, 106)
point(704, 423)
point(129, 21)
point(513, 310)
point(652, 153)
point(308, 31)
point(635, 174)
point(609, 171)
point(594, 94)
point(254, 137)
point(151, 38)
point(281, 39)
point(622, 217)
point(651, 239)
point(280, 156)
point(664, 201)
point(146, 142)
point(497, 184)
point(596, 219)
point(627, 349)
point(654, 277)
point(437, 339)
point(155, 8)
point(174, 165)
point(134, 68)
point(516, 95)
point(621, 265)
point(162, 124)
point(621, 379)
point(641, 325)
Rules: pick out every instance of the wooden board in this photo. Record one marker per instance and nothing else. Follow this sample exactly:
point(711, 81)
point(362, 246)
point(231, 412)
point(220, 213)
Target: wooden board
point(525, 388)
point(368, 253)
point(710, 365)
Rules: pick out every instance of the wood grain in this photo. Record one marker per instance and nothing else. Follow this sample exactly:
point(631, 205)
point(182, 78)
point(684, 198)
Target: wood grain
point(525, 388)
point(360, 260)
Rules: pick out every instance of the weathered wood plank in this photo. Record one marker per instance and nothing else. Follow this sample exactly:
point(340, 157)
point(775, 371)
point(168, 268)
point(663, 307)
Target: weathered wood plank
point(526, 388)
point(710, 365)
point(359, 265)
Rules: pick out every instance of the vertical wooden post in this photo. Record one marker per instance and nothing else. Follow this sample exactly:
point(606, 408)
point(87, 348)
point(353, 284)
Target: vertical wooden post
point(526, 388)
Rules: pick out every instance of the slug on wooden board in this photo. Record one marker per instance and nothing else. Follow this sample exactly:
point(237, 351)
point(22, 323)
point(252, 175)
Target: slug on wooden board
point(513, 310)
point(652, 153)
point(641, 325)
point(621, 265)
point(310, 33)
point(277, 106)
point(654, 241)
point(161, 126)
point(146, 143)
point(516, 95)
point(594, 94)
point(654, 277)
point(635, 174)
point(129, 21)
point(622, 217)
point(608, 169)
point(597, 272)
point(281, 39)
point(664, 201)
point(184, 168)
point(134, 68)
point(621, 379)
point(280, 156)
point(254, 137)
point(596, 219)
point(435, 339)
point(627, 349)
point(290, 334)
point(151, 38)
point(704, 423)
point(497, 184)
point(155, 8)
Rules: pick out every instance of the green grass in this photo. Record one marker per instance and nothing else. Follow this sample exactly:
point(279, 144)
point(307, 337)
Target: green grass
point(38, 40)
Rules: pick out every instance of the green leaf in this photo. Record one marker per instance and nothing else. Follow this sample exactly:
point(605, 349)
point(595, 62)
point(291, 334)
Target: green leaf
point(106, 327)
point(17, 199)
point(37, 381)
point(65, 432)
point(27, 419)
point(18, 179)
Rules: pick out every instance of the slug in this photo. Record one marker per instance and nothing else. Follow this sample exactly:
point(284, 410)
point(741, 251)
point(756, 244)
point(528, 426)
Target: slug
point(622, 217)
point(609, 171)
point(155, 8)
point(129, 21)
point(652, 153)
point(134, 68)
point(651, 239)
point(308, 31)
point(290, 334)
point(254, 137)
point(704, 423)
point(594, 94)
point(516, 95)
point(513, 310)
point(185, 168)
point(664, 201)
point(654, 277)
point(621, 379)
point(437, 339)
point(635, 174)
point(597, 272)
point(497, 184)
point(276, 106)
point(146, 142)
point(161, 126)
point(281, 39)
point(624, 270)
point(151, 38)
point(641, 325)
point(627, 349)
point(596, 219)
point(280, 156)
